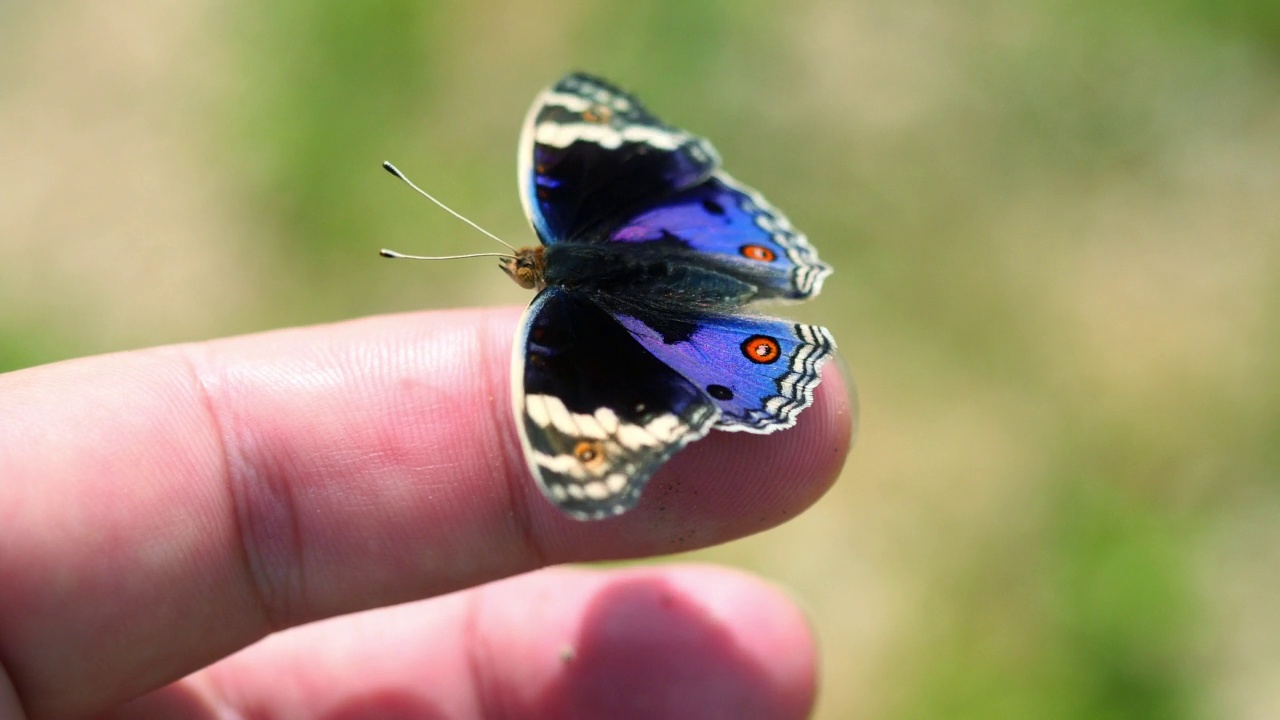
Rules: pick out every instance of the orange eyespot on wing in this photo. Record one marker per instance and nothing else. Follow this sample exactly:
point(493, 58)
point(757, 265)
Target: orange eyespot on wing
point(757, 252)
point(590, 453)
point(761, 349)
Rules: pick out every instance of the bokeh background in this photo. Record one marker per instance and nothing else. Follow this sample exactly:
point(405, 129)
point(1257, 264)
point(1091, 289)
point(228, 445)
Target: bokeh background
point(1055, 226)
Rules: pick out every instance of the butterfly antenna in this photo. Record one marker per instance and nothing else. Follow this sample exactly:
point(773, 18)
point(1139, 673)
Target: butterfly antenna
point(401, 256)
point(396, 171)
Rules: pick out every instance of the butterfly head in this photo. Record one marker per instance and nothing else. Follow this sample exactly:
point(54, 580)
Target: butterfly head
point(528, 267)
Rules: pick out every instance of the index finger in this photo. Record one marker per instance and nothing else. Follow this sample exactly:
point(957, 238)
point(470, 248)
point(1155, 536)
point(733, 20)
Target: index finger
point(164, 508)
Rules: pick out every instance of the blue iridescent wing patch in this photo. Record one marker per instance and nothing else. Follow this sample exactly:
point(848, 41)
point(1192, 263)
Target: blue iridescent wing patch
point(723, 217)
point(636, 344)
point(760, 372)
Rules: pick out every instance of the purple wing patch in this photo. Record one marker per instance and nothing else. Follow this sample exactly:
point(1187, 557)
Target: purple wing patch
point(761, 372)
point(725, 218)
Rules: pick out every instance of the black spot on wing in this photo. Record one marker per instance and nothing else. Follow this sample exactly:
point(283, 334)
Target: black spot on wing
point(719, 392)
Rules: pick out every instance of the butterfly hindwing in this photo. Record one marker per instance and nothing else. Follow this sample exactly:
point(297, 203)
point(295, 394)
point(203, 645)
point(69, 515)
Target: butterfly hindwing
point(590, 153)
point(761, 372)
point(728, 220)
point(598, 414)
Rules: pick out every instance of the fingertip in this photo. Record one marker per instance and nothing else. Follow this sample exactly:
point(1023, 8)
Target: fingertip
point(692, 641)
point(842, 394)
point(773, 628)
point(744, 483)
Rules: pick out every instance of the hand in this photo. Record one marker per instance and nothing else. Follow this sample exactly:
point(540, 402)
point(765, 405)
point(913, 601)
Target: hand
point(161, 511)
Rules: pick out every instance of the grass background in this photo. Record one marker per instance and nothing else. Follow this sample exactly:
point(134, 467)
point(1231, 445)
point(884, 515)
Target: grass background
point(1056, 237)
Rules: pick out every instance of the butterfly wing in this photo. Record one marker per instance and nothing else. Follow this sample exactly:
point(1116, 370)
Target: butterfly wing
point(760, 372)
point(597, 413)
point(736, 227)
point(590, 153)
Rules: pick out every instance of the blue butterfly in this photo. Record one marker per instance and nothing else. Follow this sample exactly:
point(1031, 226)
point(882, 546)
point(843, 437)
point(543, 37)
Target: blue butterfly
point(636, 345)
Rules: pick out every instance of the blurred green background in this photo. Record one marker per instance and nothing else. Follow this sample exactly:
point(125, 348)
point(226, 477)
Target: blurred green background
point(1055, 226)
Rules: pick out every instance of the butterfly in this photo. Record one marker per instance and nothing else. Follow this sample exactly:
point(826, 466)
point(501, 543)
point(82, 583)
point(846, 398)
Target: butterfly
point(637, 343)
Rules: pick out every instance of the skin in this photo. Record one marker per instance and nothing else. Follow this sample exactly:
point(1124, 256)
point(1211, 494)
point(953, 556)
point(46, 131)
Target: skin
point(169, 517)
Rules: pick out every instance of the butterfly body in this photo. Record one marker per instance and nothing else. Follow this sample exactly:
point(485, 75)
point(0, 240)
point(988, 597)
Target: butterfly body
point(659, 276)
point(637, 344)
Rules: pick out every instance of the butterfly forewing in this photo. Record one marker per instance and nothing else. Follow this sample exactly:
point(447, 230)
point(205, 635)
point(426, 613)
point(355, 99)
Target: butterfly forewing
point(590, 153)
